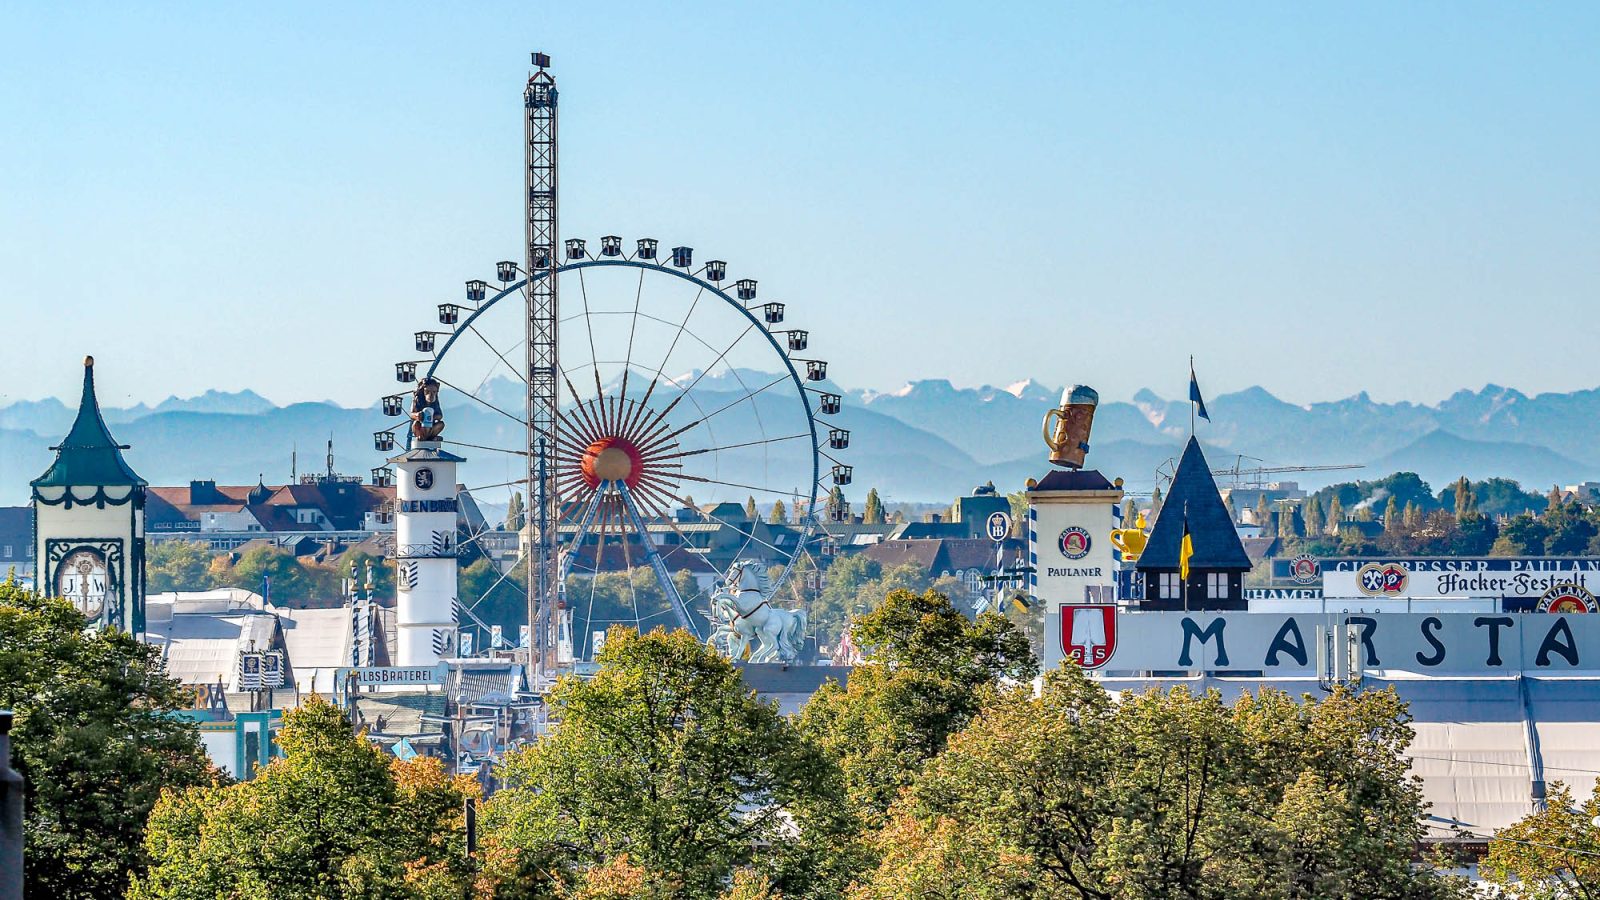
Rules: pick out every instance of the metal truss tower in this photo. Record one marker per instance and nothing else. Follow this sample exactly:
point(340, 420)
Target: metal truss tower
point(539, 101)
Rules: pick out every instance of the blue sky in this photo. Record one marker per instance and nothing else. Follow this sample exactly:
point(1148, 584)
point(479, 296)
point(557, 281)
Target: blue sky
point(1321, 199)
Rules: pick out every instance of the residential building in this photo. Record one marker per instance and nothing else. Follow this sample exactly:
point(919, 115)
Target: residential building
point(16, 543)
point(225, 516)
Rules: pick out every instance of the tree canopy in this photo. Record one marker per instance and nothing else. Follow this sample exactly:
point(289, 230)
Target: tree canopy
point(335, 818)
point(179, 565)
point(95, 739)
point(1165, 794)
point(927, 671)
point(666, 757)
point(1552, 854)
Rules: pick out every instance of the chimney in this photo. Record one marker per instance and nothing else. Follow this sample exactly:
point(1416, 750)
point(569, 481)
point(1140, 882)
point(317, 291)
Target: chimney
point(10, 817)
point(202, 493)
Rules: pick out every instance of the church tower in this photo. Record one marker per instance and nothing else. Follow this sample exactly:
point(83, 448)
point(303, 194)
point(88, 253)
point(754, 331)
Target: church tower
point(88, 522)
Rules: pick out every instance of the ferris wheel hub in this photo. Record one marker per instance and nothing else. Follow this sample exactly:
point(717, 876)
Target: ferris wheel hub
point(611, 459)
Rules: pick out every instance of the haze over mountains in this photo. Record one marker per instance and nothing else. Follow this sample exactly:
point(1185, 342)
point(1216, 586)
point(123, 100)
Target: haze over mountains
point(927, 441)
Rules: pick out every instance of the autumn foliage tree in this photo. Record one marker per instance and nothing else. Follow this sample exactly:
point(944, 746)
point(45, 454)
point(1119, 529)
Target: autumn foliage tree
point(336, 818)
point(1551, 854)
point(1165, 794)
point(665, 758)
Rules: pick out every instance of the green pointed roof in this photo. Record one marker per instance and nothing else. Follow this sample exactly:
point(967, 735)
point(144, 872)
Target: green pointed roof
point(89, 455)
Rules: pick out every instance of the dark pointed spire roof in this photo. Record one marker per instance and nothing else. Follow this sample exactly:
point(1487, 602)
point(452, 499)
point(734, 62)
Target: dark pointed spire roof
point(1194, 496)
point(89, 455)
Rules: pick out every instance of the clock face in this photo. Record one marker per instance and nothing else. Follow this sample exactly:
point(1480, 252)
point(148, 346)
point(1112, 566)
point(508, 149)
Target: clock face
point(82, 579)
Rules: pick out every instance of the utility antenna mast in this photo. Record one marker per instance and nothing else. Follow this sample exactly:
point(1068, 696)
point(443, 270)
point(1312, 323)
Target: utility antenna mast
point(539, 101)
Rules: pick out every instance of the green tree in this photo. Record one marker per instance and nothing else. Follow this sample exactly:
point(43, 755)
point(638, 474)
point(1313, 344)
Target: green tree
point(1313, 516)
point(1523, 535)
point(1496, 497)
point(95, 739)
point(1019, 507)
point(292, 584)
point(1465, 503)
point(926, 672)
point(1570, 530)
point(846, 577)
point(516, 519)
point(179, 565)
point(1170, 794)
point(1155, 503)
point(666, 756)
point(1551, 854)
point(1391, 514)
point(337, 817)
point(779, 514)
point(1263, 512)
point(872, 509)
point(750, 509)
point(1335, 515)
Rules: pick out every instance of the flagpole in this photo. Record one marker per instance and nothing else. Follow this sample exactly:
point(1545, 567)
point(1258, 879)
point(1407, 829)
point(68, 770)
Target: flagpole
point(1191, 399)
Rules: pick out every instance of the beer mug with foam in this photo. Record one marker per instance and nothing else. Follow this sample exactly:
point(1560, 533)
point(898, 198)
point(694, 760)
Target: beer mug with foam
point(1066, 427)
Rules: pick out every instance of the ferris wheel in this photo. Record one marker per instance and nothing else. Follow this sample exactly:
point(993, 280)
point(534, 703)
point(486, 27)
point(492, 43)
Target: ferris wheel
point(683, 403)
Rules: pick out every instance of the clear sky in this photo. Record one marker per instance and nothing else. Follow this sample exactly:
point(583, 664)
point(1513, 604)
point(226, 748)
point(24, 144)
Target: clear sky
point(1321, 199)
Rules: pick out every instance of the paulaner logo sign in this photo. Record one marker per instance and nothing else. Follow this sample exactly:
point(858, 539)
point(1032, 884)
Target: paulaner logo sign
point(1280, 644)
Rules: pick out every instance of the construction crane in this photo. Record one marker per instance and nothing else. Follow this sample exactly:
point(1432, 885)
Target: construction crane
point(1255, 477)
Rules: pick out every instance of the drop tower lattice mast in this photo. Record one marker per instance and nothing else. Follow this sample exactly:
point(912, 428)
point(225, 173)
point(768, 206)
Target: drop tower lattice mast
point(539, 101)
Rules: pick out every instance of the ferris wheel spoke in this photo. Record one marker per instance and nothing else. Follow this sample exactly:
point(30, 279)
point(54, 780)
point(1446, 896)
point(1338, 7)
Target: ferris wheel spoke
point(627, 565)
point(483, 447)
point(751, 396)
point(588, 321)
point(582, 409)
point(517, 419)
point(734, 484)
point(707, 370)
point(682, 326)
point(521, 557)
point(702, 450)
point(659, 424)
point(574, 434)
point(652, 452)
point(597, 409)
point(633, 327)
point(522, 377)
point(485, 487)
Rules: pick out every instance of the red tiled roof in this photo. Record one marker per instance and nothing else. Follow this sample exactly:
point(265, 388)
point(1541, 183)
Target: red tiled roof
point(344, 504)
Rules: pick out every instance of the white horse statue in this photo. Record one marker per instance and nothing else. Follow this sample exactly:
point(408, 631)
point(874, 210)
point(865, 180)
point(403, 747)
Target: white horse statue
point(743, 615)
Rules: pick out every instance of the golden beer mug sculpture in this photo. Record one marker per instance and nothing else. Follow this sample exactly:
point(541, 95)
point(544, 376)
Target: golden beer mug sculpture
point(1130, 541)
point(1066, 428)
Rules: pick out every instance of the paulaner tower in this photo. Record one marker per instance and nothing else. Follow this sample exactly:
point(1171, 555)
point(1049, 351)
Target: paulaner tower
point(425, 537)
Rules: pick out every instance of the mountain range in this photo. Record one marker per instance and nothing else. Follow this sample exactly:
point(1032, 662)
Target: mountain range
point(929, 440)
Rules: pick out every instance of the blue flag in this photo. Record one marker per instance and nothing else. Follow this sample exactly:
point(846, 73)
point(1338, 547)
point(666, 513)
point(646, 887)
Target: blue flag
point(1194, 394)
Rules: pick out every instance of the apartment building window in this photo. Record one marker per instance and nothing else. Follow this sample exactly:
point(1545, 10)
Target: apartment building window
point(1169, 585)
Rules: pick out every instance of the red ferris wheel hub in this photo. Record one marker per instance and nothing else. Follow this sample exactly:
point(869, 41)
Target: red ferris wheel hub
point(611, 459)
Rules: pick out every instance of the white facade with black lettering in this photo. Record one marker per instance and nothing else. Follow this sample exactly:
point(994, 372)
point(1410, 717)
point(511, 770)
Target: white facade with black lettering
point(425, 554)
